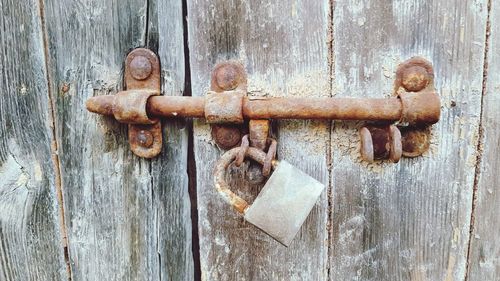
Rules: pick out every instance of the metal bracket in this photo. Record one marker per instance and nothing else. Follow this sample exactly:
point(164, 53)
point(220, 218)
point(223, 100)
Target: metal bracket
point(142, 71)
point(414, 86)
point(142, 80)
point(224, 108)
point(223, 105)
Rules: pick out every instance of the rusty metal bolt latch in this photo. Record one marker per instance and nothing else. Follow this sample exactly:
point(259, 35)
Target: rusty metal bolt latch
point(413, 108)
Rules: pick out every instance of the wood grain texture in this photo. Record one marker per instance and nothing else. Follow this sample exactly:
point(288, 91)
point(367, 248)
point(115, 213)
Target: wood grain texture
point(407, 221)
point(31, 245)
point(170, 179)
point(484, 255)
point(126, 217)
point(284, 47)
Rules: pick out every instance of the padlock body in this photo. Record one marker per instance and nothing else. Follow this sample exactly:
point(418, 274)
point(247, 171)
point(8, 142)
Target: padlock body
point(284, 202)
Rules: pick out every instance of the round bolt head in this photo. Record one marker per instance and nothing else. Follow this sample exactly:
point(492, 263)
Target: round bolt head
point(415, 78)
point(226, 137)
point(228, 76)
point(366, 144)
point(140, 68)
point(396, 146)
point(415, 141)
point(145, 138)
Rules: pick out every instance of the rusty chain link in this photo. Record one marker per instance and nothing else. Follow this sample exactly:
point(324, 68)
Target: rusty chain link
point(268, 160)
point(240, 157)
point(271, 154)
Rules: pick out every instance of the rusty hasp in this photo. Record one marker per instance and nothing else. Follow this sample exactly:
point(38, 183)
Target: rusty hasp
point(229, 111)
point(284, 202)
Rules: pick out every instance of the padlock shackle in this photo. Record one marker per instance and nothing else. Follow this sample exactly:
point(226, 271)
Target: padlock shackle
point(238, 203)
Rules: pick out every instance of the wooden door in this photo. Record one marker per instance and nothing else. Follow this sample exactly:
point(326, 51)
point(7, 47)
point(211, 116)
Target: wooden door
point(77, 204)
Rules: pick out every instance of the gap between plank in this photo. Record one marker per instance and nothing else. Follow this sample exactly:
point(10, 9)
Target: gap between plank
point(191, 161)
point(54, 144)
point(146, 32)
point(479, 148)
point(152, 44)
point(147, 42)
point(329, 156)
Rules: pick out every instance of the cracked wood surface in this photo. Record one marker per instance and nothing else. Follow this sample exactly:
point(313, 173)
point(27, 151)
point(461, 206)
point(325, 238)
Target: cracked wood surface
point(484, 256)
point(31, 243)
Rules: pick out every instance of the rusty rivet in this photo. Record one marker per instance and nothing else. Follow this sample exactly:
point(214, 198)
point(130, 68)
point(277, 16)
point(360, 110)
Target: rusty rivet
point(140, 68)
point(145, 138)
point(415, 78)
point(226, 136)
point(228, 76)
point(415, 141)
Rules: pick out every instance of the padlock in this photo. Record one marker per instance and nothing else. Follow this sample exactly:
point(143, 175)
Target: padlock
point(284, 202)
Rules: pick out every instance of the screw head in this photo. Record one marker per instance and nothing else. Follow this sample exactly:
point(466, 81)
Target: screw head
point(145, 138)
point(228, 76)
point(415, 141)
point(226, 137)
point(415, 78)
point(140, 68)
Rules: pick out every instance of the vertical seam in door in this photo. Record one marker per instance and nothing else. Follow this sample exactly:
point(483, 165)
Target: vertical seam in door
point(146, 32)
point(147, 42)
point(191, 162)
point(331, 71)
point(54, 144)
point(479, 147)
point(150, 162)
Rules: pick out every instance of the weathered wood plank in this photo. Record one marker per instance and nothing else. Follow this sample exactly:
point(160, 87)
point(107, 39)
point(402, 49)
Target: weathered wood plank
point(484, 253)
point(107, 191)
point(121, 222)
point(284, 46)
point(31, 244)
point(407, 221)
point(170, 179)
